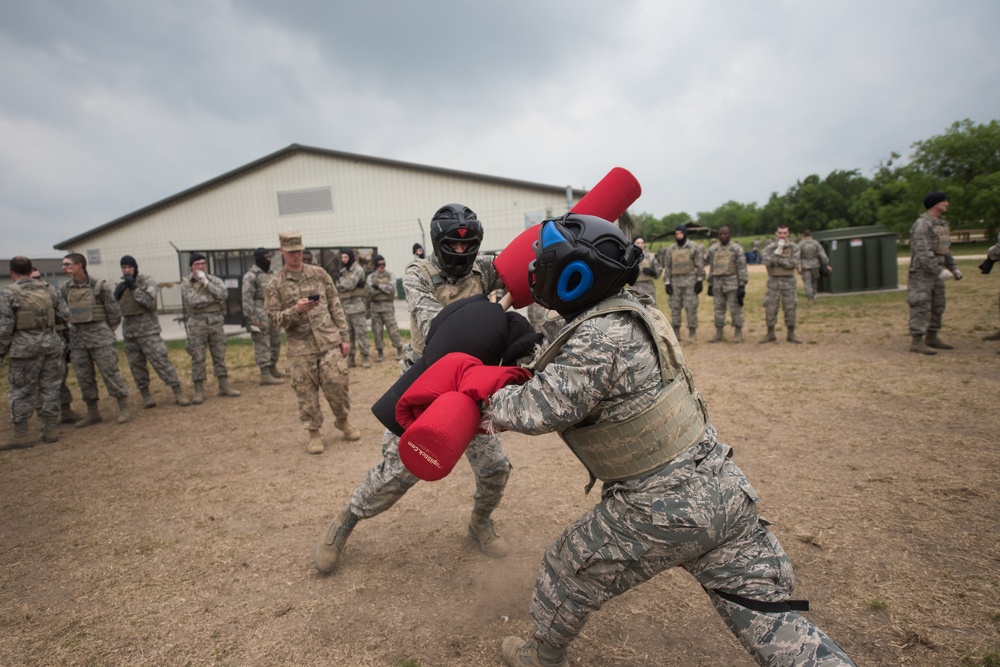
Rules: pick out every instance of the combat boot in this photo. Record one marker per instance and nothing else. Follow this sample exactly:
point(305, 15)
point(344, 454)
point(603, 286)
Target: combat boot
point(21, 438)
point(993, 336)
point(364, 361)
point(267, 378)
point(482, 530)
point(147, 398)
point(379, 357)
point(273, 368)
point(720, 335)
point(350, 433)
point(677, 331)
point(399, 353)
point(328, 550)
point(48, 431)
point(352, 361)
point(179, 397)
point(938, 344)
point(917, 345)
point(315, 444)
point(124, 414)
point(93, 415)
point(519, 653)
point(199, 393)
point(225, 389)
point(68, 416)
point(791, 338)
point(769, 337)
point(737, 334)
point(692, 334)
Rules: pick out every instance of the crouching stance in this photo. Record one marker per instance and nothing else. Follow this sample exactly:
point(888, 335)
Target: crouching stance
point(614, 385)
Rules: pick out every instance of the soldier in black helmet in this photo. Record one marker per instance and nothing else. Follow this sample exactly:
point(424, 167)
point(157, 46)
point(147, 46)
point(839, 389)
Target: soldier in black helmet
point(454, 271)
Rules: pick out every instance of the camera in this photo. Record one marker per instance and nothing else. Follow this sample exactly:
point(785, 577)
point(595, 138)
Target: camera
point(313, 297)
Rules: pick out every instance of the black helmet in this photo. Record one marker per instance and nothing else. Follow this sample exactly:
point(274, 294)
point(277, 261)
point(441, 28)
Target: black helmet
point(456, 222)
point(579, 261)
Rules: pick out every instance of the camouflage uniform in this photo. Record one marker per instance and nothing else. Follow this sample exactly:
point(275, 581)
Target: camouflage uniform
point(645, 283)
point(353, 290)
point(781, 283)
point(266, 338)
point(37, 366)
point(203, 306)
point(383, 290)
point(814, 260)
point(95, 315)
point(697, 511)
point(312, 342)
point(930, 251)
point(683, 269)
point(727, 265)
point(141, 331)
point(428, 290)
point(993, 255)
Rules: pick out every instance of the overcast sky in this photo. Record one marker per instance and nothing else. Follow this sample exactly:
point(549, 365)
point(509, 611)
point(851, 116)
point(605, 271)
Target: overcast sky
point(107, 106)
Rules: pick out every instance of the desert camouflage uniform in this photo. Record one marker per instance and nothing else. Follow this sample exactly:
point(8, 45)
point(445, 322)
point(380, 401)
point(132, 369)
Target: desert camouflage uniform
point(312, 341)
point(141, 331)
point(697, 511)
point(683, 267)
point(383, 291)
point(37, 365)
point(646, 284)
point(353, 292)
point(205, 325)
point(266, 339)
point(930, 251)
point(727, 266)
point(390, 480)
point(781, 283)
point(92, 338)
point(814, 260)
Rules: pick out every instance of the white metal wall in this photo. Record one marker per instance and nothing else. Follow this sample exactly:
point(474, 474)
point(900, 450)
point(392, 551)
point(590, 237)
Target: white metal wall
point(373, 204)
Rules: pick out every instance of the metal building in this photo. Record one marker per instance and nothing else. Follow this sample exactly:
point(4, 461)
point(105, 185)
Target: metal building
point(335, 199)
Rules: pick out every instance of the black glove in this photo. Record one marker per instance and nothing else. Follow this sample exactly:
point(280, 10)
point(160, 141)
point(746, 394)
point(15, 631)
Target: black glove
point(697, 287)
point(828, 271)
point(987, 266)
point(120, 289)
point(710, 291)
point(670, 289)
point(521, 347)
point(649, 271)
point(741, 293)
point(130, 281)
point(361, 283)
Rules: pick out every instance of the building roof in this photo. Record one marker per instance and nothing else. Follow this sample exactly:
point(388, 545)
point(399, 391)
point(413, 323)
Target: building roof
point(295, 149)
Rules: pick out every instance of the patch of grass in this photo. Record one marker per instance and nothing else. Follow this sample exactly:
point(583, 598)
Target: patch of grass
point(407, 662)
point(878, 604)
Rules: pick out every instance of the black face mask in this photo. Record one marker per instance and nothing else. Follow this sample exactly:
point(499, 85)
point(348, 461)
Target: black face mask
point(263, 262)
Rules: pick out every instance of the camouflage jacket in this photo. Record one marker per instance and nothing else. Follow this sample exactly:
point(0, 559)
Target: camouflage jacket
point(382, 286)
point(94, 334)
point(254, 292)
point(353, 288)
point(35, 342)
point(145, 323)
point(930, 245)
point(781, 263)
point(316, 331)
point(735, 267)
point(693, 267)
point(197, 297)
point(812, 255)
point(649, 261)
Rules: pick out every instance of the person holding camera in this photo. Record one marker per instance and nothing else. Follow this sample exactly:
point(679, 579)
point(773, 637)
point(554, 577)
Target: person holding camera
point(303, 300)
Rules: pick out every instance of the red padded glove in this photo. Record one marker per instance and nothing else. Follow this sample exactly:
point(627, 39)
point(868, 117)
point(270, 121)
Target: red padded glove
point(481, 382)
point(432, 445)
point(443, 376)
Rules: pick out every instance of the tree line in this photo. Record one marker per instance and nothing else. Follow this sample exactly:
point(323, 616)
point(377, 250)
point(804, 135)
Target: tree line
point(964, 162)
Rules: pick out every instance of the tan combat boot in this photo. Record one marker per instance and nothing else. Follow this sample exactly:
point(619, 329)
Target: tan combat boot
point(935, 342)
point(275, 372)
point(21, 438)
point(93, 416)
point(147, 398)
point(68, 416)
point(519, 653)
point(399, 352)
point(179, 397)
point(124, 414)
point(199, 393)
point(350, 433)
point(917, 345)
point(266, 377)
point(329, 548)
point(482, 530)
point(791, 338)
point(225, 389)
point(769, 337)
point(737, 334)
point(720, 335)
point(315, 444)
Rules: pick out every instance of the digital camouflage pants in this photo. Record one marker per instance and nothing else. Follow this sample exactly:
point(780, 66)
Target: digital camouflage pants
point(683, 298)
point(384, 316)
point(266, 346)
point(724, 289)
point(315, 373)
point(35, 382)
point(358, 326)
point(780, 294)
point(810, 282)
point(925, 296)
point(205, 334)
point(149, 350)
point(106, 361)
point(700, 515)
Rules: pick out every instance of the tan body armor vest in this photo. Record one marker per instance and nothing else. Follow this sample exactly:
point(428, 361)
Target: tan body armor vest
point(34, 310)
point(129, 306)
point(682, 261)
point(676, 420)
point(722, 261)
point(213, 307)
point(445, 293)
point(942, 238)
point(809, 251)
point(84, 305)
point(781, 271)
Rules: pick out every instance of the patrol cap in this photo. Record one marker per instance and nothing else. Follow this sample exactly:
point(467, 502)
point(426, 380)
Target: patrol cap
point(291, 241)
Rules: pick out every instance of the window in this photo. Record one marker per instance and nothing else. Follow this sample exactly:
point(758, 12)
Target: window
point(93, 256)
point(310, 200)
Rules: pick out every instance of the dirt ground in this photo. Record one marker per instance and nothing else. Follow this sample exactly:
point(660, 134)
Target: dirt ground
point(185, 537)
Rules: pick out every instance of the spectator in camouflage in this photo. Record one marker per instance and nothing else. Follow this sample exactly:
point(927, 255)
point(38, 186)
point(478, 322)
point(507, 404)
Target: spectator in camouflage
point(649, 270)
point(992, 257)
point(931, 263)
point(782, 258)
point(67, 415)
point(683, 278)
point(353, 290)
point(204, 298)
point(814, 262)
point(382, 289)
point(727, 281)
point(266, 339)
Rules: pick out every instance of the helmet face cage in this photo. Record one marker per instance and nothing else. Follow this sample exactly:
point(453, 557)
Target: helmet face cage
point(579, 261)
point(456, 223)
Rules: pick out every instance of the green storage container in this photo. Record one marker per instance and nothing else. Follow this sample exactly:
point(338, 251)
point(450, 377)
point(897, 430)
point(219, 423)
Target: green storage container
point(863, 259)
